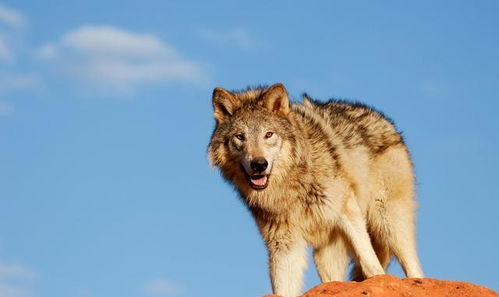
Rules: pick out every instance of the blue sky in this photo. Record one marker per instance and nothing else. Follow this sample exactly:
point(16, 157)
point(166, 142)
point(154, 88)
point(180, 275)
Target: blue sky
point(105, 114)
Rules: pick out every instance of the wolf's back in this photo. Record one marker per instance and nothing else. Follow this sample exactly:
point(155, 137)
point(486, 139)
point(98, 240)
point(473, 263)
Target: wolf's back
point(353, 124)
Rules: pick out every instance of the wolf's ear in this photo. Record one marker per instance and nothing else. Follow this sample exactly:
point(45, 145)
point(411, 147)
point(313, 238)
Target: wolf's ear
point(224, 104)
point(276, 99)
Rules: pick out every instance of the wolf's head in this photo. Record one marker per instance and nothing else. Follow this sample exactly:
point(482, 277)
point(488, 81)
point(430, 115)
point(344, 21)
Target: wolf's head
point(251, 133)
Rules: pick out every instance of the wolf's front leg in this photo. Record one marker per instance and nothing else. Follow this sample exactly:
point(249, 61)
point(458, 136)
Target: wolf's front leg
point(287, 261)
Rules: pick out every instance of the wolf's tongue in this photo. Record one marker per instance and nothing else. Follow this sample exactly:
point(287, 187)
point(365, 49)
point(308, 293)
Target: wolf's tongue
point(260, 181)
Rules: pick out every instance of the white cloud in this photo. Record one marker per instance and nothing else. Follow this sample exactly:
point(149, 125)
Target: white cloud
point(11, 17)
point(16, 271)
point(110, 41)
point(11, 81)
point(12, 291)
point(12, 45)
point(237, 37)
point(5, 53)
point(161, 287)
point(118, 71)
point(11, 24)
point(15, 280)
point(47, 52)
point(119, 60)
point(16, 82)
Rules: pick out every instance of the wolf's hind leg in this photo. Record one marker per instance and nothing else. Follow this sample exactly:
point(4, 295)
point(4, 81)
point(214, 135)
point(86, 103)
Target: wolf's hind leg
point(382, 252)
point(395, 209)
point(353, 225)
point(402, 238)
point(287, 263)
point(332, 260)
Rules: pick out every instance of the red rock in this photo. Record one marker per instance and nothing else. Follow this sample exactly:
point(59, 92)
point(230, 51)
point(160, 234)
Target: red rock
point(392, 286)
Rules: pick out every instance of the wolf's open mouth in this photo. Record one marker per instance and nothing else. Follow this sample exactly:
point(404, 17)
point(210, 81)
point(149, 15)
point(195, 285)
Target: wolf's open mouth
point(258, 182)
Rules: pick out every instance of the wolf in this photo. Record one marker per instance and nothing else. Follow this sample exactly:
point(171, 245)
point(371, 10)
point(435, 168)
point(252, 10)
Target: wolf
point(333, 175)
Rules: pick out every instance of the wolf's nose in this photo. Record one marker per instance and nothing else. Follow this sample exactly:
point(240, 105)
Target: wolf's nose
point(259, 164)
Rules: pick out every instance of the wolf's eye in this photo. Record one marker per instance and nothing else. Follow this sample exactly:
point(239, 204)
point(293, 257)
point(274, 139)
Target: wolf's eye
point(240, 137)
point(269, 134)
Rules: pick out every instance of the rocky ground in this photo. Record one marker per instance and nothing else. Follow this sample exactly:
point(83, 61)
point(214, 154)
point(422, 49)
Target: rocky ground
point(392, 286)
